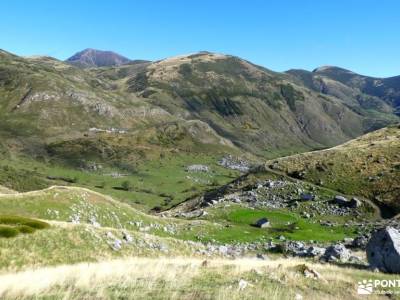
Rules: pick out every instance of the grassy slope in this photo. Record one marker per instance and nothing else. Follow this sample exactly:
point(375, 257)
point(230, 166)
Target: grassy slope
point(160, 182)
point(67, 243)
point(288, 223)
point(172, 277)
point(183, 278)
point(64, 204)
point(368, 166)
point(71, 201)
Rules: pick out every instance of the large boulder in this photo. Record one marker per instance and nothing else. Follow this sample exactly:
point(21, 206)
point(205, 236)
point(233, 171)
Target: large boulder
point(383, 250)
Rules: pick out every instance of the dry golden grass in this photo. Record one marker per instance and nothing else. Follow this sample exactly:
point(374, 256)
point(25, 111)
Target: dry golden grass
point(183, 278)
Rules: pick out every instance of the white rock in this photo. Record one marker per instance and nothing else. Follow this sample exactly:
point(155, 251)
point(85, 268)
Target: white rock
point(242, 284)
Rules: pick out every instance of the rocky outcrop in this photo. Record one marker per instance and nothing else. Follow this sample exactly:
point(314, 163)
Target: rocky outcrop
point(336, 252)
point(198, 168)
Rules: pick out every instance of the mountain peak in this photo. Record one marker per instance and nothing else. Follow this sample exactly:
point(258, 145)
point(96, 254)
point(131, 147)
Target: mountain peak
point(89, 58)
point(328, 68)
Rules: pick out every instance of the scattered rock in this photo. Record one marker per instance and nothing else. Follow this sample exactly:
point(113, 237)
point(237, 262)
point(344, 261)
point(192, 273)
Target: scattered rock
point(315, 251)
point(233, 163)
point(93, 221)
point(198, 168)
point(281, 238)
point(336, 252)
point(223, 250)
point(261, 256)
point(298, 297)
point(193, 214)
point(294, 247)
point(348, 241)
point(360, 242)
point(243, 284)
point(127, 237)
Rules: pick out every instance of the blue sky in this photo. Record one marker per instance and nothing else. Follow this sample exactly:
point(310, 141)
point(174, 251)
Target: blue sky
point(361, 35)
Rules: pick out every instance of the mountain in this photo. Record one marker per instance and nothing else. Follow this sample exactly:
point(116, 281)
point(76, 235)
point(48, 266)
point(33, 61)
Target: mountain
point(50, 108)
point(203, 97)
point(261, 111)
point(382, 94)
point(90, 58)
point(86, 151)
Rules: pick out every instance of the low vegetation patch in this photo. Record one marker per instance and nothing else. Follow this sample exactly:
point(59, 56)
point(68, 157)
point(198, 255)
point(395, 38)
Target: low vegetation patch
point(11, 226)
point(240, 226)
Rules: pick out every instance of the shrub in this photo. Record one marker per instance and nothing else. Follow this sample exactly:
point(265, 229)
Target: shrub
point(8, 231)
point(215, 182)
point(37, 224)
point(185, 70)
point(126, 185)
point(25, 229)
point(102, 185)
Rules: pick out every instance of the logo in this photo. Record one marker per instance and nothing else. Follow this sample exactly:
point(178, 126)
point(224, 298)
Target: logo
point(379, 287)
point(365, 287)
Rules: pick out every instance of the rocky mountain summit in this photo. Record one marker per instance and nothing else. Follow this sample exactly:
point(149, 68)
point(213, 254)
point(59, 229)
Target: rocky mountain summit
point(90, 58)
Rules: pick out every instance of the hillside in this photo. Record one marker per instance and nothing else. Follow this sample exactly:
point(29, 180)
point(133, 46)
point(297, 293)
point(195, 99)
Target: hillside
point(142, 123)
point(381, 94)
point(229, 99)
point(56, 118)
point(368, 166)
point(95, 241)
point(261, 111)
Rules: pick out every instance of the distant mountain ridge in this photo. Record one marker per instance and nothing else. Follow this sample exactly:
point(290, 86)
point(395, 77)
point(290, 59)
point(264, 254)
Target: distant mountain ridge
point(218, 98)
point(379, 92)
point(259, 110)
point(97, 58)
